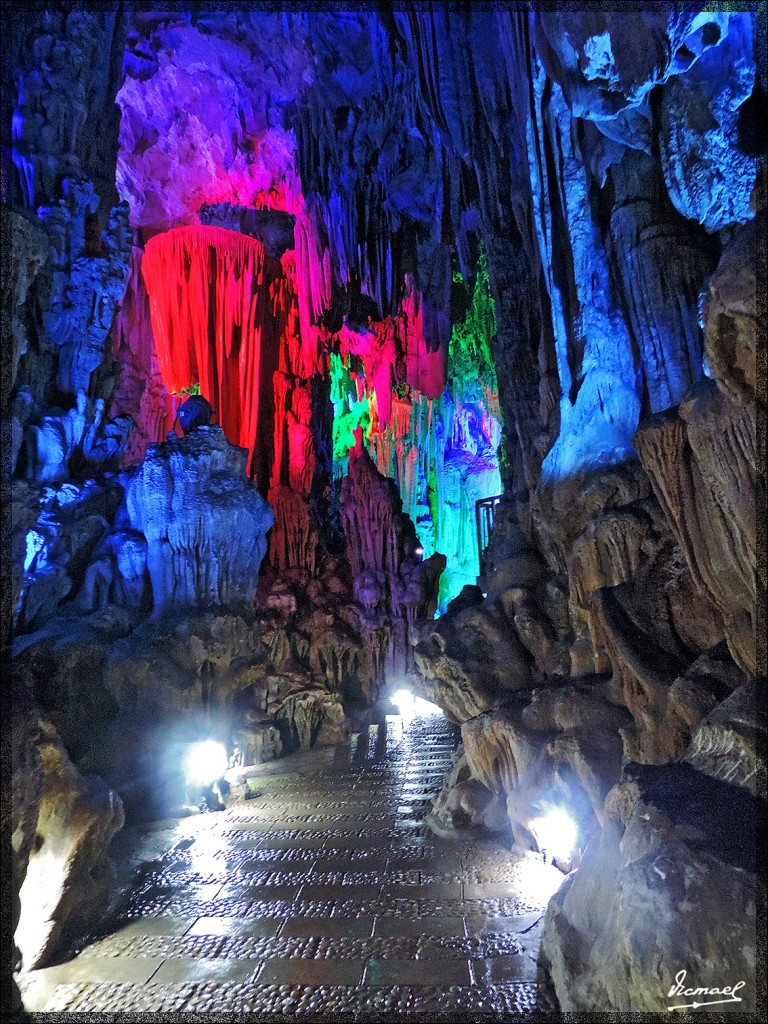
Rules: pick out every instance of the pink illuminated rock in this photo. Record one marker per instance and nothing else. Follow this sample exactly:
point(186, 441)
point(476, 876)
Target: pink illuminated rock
point(375, 345)
point(202, 119)
point(426, 334)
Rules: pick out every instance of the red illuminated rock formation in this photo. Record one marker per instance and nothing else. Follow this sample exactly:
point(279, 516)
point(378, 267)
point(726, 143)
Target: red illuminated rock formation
point(212, 312)
point(376, 347)
point(294, 538)
point(416, 339)
point(313, 280)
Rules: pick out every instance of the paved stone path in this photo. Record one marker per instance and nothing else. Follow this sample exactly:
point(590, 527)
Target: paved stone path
point(323, 893)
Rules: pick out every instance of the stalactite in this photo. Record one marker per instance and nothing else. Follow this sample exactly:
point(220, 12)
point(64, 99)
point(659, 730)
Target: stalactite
point(439, 444)
point(314, 292)
point(662, 262)
point(212, 310)
point(425, 339)
point(294, 540)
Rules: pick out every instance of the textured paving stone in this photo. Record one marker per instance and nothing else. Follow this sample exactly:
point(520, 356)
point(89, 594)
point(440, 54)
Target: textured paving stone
point(311, 972)
point(233, 926)
point(435, 1003)
point(322, 893)
point(487, 890)
point(483, 925)
point(334, 927)
point(417, 972)
point(392, 927)
point(516, 967)
point(155, 926)
point(424, 890)
point(196, 969)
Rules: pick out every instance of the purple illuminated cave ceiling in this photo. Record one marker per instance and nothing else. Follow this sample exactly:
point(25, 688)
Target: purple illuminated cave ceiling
point(392, 174)
point(471, 294)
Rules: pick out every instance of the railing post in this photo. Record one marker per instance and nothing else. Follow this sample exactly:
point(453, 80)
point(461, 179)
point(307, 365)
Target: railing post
point(484, 518)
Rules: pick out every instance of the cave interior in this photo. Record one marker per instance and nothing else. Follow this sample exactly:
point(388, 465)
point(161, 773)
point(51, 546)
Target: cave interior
point(383, 395)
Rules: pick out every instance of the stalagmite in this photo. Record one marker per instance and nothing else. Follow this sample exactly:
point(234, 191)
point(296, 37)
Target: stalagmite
point(205, 523)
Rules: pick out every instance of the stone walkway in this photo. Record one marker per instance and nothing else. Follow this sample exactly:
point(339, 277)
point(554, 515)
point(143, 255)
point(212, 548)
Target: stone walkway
point(323, 893)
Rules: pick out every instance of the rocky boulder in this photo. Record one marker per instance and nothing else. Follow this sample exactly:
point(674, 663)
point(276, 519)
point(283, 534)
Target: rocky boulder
point(465, 801)
point(702, 461)
point(25, 772)
point(68, 875)
point(467, 659)
point(669, 885)
point(30, 253)
point(205, 522)
point(731, 315)
point(310, 717)
point(558, 747)
point(730, 742)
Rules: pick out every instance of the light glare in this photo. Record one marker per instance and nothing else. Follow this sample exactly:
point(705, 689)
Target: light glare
point(206, 762)
point(34, 544)
point(556, 834)
point(538, 880)
point(410, 706)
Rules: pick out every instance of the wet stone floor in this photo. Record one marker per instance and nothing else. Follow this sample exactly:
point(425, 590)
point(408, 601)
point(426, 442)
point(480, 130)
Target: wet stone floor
point(324, 893)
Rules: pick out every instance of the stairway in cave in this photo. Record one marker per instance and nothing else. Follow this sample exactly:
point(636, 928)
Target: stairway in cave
point(324, 892)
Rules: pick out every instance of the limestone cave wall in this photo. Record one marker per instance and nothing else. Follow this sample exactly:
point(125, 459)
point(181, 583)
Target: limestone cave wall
point(287, 295)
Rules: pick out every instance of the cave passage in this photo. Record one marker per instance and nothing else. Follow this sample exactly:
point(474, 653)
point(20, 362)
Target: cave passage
point(324, 892)
point(372, 360)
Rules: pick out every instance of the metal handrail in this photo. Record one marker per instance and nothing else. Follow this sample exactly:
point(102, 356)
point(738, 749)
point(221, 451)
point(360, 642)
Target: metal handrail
point(485, 509)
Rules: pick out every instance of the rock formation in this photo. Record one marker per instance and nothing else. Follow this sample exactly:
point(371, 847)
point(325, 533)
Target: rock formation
point(86, 285)
point(666, 873)
point(67, 878)
point(67, 72)
point(22, 758)
point(394, 588)
point(29, 241)
point(470, 301)
point(205, 523)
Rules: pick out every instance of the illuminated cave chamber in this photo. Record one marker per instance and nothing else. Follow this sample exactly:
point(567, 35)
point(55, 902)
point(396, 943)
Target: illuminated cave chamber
point(423, 396)
point(432, 425)
point(416, 261)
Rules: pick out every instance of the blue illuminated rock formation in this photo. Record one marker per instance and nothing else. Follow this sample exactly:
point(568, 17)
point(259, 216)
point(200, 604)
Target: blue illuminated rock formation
point(511, 254)
point(204, 521)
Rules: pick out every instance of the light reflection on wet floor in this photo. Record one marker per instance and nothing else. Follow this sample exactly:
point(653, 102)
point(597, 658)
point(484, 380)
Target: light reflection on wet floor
point(323, 893)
